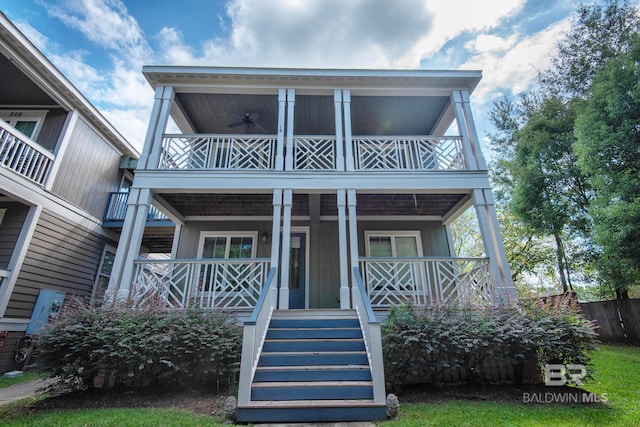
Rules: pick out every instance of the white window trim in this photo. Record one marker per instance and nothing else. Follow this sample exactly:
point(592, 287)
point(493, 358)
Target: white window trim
point(99, 275)
point(392, 233)
point(228, 235)
point(13, 116)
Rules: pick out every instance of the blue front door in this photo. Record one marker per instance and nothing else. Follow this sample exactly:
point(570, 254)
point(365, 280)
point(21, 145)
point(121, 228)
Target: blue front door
point(297, 270)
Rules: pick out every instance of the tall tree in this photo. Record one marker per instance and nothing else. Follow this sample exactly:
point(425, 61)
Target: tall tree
point(608, 149)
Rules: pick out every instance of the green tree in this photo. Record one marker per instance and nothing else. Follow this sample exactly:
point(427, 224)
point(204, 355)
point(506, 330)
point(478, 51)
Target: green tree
point(608, 149)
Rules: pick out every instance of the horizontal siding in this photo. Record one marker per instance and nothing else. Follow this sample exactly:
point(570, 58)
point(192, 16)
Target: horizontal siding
point(10, 229)
point(89, 171)
point(61, 257)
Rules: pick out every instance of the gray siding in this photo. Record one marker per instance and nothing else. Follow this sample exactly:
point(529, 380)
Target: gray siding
point(52, 128)
point(190, 236)
point(8, 345)
point(432, 233)
point(89, 171)
point(10, 229)
point(62, 257)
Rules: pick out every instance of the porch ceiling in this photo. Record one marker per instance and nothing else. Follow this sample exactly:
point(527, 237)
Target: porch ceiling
point(193, 205)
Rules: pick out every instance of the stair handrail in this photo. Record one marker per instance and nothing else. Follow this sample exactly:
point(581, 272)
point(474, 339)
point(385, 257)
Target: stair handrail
point(372, 335)
point(254, 332)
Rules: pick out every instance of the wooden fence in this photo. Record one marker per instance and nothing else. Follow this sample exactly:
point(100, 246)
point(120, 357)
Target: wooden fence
point(616, 321)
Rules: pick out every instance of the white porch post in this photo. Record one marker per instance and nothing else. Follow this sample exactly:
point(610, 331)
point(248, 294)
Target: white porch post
point(493, 245)
point(150, 157)
point(337, 103)
point(275, 229)
point(286, 250)
point(343, 253)
point(353, 231)
point(291, 100)
point(129, 245)
point(282, 102)
point(473, 134)
point(469, 156)
point(348, 145)
point(176, 238)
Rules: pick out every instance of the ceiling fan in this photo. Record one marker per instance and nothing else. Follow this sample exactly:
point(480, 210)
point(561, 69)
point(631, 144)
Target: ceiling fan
point(249, 120)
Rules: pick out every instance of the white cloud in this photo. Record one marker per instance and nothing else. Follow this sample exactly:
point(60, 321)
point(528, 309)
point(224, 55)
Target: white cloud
point(490, 43)
point(36, 37)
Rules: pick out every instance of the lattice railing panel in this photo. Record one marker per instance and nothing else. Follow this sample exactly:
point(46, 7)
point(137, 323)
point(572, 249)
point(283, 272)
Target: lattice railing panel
point(408, 153)
point(24, 156)
point(244, 152)
point(223, 284)
point(314, 153)
point(392, 281)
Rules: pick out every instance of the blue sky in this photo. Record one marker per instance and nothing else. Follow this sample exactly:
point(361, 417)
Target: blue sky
point(101, 45)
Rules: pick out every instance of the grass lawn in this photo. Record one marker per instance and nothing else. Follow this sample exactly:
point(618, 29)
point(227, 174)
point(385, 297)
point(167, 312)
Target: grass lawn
point(27, 376)
point(616, 377)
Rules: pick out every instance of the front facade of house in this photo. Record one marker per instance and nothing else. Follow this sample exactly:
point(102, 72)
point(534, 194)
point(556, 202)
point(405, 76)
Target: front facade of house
point(310, 191)
point(59, 162)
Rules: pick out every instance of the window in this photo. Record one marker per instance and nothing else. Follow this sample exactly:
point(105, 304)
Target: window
point(393, 244)
point(103, 275)
point(27, 122)
point(229, 245)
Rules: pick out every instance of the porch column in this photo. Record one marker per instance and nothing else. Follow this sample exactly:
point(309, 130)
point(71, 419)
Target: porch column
point(337, 103)
point(353, 231)
point(473, 134)
point(493, 245)
point(343, 254)
point(287, 201)
point(150, 157)
point(469, 155)
point(348, 144)
point(275, 229)
point(291, 100)
point(129, 245)
point(282, 102)
point(176, 238)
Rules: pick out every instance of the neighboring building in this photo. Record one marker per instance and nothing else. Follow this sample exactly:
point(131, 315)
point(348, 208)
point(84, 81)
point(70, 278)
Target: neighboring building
point(60, 160)
point(333, 187)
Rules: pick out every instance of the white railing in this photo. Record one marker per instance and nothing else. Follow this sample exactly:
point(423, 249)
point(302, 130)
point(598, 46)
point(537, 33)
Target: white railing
point(220, 284)
point(241, 152)
point(254, 334)
point(408, 153)
point(23, 156)
point(314, 153)
point(422, 281)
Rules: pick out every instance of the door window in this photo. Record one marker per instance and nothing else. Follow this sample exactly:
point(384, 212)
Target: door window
point(28, 122)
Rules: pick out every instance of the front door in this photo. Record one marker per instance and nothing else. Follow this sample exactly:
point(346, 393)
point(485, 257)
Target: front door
point(297, 270)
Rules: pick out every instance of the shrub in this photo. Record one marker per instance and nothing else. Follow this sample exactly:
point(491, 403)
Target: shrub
point(141, 346)
point(422, 344)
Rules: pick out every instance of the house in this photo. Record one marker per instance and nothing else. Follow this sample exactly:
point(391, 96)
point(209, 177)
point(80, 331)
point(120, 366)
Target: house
point(61, 163)
point(310, 201)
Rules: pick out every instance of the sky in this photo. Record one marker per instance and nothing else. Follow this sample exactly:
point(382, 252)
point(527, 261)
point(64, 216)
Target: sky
point(101, 45)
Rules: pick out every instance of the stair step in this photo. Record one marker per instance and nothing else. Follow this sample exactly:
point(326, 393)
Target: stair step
point(313, 373)
point(320, 390)
point(313, 358)
point(300, 345)
point(308, 333)
point(293, 411)
point(314, 323)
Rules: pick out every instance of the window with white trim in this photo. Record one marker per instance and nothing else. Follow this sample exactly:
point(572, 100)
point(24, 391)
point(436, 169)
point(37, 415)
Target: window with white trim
point(27, 122)
point(227, 245)
point(103, 275)
point(393, 244)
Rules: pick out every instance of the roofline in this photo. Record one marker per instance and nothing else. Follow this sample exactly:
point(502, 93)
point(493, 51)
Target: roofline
point(57, 85)
point(158, 75)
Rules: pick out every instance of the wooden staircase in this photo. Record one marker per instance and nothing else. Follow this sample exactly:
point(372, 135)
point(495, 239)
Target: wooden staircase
point(313, 367)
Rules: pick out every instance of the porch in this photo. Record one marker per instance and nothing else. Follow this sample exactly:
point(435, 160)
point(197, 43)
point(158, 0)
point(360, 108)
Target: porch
point(24, 156)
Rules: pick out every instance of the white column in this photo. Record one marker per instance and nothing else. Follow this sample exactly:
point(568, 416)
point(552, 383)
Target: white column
point(473, 134)
point(17, 256)
point(337, 104)
point(291, 100)
point(286, 250)
point(157, 124)
point(469, 156)
point(353, 230)
point(501, 254)
point(275, 229)
point(348, 144)
point(129, 244)
point(282, 102)
point(176, 238)
point(343, 252)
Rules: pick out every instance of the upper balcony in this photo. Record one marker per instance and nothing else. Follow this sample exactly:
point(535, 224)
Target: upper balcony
point(24, 156)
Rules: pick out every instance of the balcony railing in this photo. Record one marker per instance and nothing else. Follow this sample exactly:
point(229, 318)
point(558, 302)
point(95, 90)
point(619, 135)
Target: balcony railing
point(23, 156)
point(392, 281)
point(258, 152)
point(210, 284)
point(117, 209)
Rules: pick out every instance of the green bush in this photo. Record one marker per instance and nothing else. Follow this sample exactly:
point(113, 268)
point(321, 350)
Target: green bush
point(136, 347)
point(422, 344)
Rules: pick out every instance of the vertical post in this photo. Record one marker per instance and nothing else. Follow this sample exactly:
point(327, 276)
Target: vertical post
point(473, 134)
point(282, 101)
point(337, 103)
point(291, 100)
point(348, 144)
point(176, 238)
point(353, 230)
point(275, 229)
point(343, 253)
point(149, 159)
point(509, 290)
point(469, 157)
point(286, 250)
